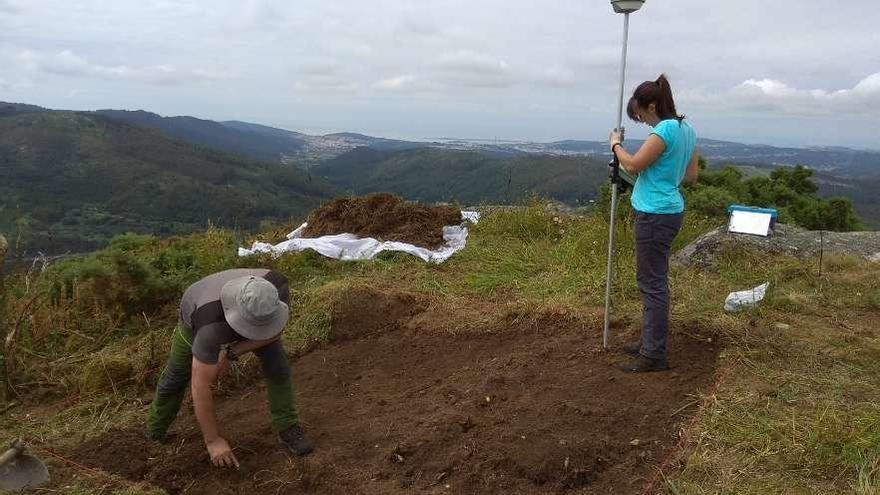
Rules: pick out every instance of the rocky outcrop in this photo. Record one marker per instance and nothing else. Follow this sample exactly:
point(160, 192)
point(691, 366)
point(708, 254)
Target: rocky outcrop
point(785, 239)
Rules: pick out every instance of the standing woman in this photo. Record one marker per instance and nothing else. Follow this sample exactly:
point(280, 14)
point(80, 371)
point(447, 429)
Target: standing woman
point(667, 159)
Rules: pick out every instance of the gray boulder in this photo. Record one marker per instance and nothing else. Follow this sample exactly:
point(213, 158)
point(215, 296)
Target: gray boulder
point(785, 239)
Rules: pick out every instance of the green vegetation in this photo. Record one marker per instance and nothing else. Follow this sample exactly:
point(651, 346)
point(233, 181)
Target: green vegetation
point(467, 177)
point(789, 189)
point(474, 177)
point(250, 140)
point(862, 192)
point(796, 410)
point(71, 181)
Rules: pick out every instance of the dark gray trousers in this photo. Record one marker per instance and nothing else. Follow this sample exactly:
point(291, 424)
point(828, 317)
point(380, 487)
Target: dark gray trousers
point(654, 236)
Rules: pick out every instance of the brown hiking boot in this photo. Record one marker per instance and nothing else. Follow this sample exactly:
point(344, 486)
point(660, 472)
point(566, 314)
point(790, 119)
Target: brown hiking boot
point(643, 364)
point(632, 348)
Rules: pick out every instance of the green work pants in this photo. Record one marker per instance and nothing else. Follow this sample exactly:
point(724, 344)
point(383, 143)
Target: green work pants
point(174, 381)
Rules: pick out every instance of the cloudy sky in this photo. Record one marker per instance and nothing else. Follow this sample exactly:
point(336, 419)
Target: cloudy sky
point(785, 72)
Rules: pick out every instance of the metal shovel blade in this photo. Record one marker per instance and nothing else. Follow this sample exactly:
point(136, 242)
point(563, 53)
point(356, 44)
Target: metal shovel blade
point(25, 471)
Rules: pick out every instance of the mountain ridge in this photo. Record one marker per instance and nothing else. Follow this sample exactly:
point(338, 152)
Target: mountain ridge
point(287, 146)
point(72, 180)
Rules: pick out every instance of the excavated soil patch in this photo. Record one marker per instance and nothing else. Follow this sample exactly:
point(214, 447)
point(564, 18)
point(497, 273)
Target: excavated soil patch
point(513, 411)
point(385, 217)
point(360, 311)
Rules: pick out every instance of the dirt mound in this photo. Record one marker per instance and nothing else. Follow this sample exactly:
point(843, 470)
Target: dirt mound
point(385, 217)
point(524, 410)
point(786, 239)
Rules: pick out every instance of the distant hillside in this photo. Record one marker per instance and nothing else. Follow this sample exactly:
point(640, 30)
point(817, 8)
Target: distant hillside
point(841, 162)
point(15, 108)
point(864, 193)
point(251, 140)
point(259, 141)
point(263, 142)
point(430, 174)
point(70, 181)
point(844, 162)
point(469, 171)
point(357, 140)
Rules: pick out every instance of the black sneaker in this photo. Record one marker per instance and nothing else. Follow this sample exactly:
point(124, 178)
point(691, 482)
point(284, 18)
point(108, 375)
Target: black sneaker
point(295, 440)
point(643, 364)
point(632, 348)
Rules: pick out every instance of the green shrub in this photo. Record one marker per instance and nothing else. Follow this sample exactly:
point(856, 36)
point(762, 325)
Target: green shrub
point(788, 189)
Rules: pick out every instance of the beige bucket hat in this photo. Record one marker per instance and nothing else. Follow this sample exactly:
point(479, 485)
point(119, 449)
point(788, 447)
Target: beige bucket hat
point(252, 308)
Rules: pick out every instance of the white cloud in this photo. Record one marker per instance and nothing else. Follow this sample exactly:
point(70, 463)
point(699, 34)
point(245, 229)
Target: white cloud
point(778, 96)
point(11, 7)
point(252, 15)
point(411, 23)
point(466, 68)
point(556, 77)
point(385, 64)
point(452, 73)
point(325, 83)
point(869, 85)
point(68, 63)
point(396, 83)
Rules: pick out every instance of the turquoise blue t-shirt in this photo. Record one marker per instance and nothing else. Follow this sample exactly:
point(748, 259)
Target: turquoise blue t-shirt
point(656, 189)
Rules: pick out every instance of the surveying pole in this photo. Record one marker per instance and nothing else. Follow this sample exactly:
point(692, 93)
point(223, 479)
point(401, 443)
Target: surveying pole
point(618, 177)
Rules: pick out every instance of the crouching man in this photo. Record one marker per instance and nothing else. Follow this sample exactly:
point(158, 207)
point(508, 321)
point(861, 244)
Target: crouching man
point(222, 317)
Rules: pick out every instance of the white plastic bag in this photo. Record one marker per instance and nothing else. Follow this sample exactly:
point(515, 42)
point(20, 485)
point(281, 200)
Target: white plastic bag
point(745, 298)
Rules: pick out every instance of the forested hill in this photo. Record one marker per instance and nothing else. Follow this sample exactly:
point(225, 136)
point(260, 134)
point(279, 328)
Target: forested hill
point(431, 174)
point(69, 181)
point(251, 140)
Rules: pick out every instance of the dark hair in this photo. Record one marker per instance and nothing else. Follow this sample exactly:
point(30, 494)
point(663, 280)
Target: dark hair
point(657, 92)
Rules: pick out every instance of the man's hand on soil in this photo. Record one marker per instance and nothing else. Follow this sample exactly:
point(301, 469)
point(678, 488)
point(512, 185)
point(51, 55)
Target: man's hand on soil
point(221, 454)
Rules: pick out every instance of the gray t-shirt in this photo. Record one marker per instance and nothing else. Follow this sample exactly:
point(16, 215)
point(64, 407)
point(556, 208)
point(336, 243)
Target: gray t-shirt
point(201, 311)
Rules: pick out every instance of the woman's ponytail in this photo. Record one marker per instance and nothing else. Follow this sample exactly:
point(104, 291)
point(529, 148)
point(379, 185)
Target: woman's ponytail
point(659, 93)
point(665, 103)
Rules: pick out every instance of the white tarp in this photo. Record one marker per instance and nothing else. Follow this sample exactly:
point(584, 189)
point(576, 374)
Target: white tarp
point(349, 247)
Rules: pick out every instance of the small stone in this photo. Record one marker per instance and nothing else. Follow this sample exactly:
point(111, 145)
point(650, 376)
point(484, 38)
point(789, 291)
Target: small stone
point(782, 327)
point(635, 442)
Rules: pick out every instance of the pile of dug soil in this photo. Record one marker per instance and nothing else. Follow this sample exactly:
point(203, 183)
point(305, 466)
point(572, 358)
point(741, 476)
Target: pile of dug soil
point(385, 217)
